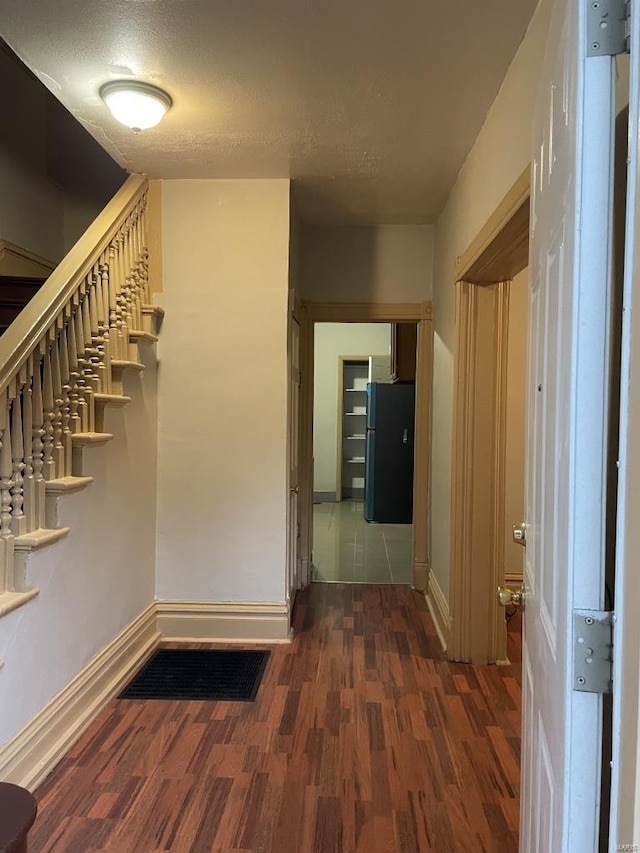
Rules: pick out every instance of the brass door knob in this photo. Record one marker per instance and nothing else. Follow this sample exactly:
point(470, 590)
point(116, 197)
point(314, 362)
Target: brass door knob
point(508, 596)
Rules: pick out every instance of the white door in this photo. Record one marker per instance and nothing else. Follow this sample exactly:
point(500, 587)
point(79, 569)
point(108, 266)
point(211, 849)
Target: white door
point(293, 546)
point(566, 442)
point(625, 785)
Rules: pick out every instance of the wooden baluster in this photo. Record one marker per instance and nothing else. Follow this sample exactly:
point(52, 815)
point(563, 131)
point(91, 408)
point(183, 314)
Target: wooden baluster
point(58, 407)
point(48, 415)
point(28, 479)
point(18, 518)
point(92, 359)
point(6, 484)
point(76, 413)
point(136, 272)
point(126, 285)
point(65, 378)
point(103, 321)
point(37, 432)
point(115, 311)
point(85, 397)
point(144, 253)
point(96, 308)
point(123, 330)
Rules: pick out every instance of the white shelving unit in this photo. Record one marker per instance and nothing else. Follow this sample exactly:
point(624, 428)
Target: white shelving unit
point(354, 422)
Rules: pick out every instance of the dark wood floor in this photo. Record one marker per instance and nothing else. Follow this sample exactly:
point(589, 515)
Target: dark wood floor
point(363, 738)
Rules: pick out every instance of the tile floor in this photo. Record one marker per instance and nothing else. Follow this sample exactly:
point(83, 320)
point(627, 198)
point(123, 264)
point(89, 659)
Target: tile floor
point(346, 549)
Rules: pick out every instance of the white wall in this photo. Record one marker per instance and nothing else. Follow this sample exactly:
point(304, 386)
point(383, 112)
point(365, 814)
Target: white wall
point(100, 577)
point(331, 341)
point(498, 157)
point(383, 263)
point(222, 460)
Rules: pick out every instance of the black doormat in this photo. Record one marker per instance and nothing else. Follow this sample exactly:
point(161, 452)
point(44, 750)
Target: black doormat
point(230, 675)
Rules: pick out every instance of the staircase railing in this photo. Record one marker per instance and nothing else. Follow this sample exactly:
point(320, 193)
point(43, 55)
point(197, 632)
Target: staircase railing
point(61, 363)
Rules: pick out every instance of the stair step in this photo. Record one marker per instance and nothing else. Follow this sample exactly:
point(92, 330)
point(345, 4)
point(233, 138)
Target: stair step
point(153, 311)
point(152, 317)
point(115, 400)
point(119, 368)
point(90, 439)
point(105, 401)
point(138, 336)
point(118, 364)
point(67, 485)
point(12, 600)
point(39, 538)
point(17, 287)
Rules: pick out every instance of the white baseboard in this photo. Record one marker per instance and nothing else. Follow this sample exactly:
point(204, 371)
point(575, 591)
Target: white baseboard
point(31, 755)
point(224, 621)
point(439, 610)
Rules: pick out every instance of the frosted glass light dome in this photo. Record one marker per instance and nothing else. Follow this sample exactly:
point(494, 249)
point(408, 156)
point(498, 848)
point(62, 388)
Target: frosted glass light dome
point(134, 104)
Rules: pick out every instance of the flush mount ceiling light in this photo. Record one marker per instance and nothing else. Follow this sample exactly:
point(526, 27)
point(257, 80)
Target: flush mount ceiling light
point(135, 104)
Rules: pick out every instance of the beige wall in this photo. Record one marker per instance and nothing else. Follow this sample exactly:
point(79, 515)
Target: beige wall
point(515, 420)
point(500, 154)
point(384, 263)
point(222, 391)
point(331, 340)
point(101, 576)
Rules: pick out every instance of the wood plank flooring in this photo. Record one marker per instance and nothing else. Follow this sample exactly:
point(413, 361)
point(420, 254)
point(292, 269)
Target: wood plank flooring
point(363, 739)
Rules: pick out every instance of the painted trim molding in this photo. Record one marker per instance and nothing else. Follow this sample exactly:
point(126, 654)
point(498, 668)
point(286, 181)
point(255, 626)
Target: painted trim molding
point(504, 238)
point(224, 621)
point(31, 755)
point(368, 312)
point(439, 610)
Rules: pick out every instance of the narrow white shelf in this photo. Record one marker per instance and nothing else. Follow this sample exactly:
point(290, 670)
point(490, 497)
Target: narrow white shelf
point(353, 404)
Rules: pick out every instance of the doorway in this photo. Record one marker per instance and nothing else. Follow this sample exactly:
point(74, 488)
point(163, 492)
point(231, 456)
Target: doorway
point(420, 314)
point(482, 550)
point(363, 439)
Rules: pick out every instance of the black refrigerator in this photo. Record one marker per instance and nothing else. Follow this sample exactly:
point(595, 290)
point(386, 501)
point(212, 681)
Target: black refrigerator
point(388, 485)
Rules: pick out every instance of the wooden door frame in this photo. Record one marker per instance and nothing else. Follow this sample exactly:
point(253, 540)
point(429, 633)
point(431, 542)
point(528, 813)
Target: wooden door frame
point(500, 250)
point(372, 312)
point(293, 553)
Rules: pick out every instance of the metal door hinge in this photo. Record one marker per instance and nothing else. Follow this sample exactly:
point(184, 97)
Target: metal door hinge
point(592, 651)
point(608, 27)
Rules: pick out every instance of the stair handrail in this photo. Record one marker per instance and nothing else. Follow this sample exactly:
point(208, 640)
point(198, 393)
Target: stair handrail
point(23, 335)
point(61, 364)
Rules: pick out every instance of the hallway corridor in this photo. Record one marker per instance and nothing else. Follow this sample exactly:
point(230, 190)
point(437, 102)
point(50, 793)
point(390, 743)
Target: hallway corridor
point(347, 549)
point(363, 739)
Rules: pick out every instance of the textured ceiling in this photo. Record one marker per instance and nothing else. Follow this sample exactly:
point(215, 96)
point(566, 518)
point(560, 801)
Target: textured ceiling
point(369, 105)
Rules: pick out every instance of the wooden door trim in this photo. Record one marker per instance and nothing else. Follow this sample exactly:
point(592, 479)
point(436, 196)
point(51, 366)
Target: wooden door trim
point(500, 246)
point(484, 260)
point(371, 312)
point(305, 442)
